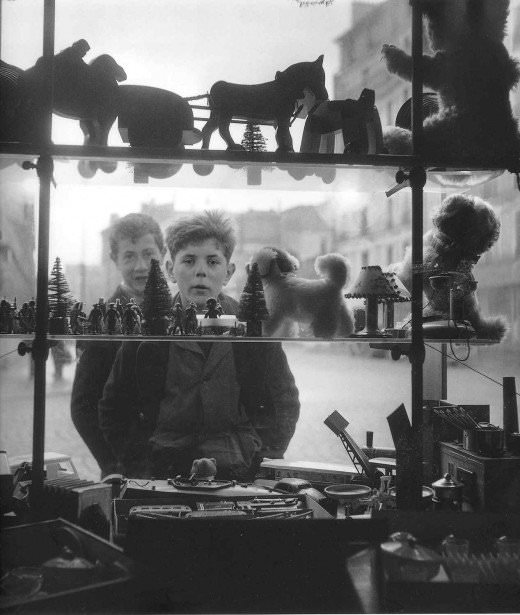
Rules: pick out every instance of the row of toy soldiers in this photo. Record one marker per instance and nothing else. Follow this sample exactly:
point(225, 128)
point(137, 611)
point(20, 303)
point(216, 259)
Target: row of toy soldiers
point(13, 320)
point(111, 319)
point(185, 322)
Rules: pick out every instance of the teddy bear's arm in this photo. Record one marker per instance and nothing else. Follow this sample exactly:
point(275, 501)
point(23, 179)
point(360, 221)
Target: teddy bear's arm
point(399, 63)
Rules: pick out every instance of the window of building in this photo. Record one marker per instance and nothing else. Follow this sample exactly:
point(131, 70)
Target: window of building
point(363, 222)
point(389, 213)
point(517, 234)
point(389, 254)
point(389, 119)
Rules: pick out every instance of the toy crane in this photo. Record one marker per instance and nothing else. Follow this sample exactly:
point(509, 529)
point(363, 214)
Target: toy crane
point(338, 424)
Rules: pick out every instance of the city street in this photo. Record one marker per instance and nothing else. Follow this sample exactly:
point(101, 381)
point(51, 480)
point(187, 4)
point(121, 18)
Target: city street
point(330, 376)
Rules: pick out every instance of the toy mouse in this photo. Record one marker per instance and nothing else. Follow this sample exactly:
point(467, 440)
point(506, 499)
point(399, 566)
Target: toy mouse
point(473, 74)
point(291, 299)
point(271, 101)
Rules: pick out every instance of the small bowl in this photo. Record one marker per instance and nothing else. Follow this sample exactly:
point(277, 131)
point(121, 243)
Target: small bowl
point(347, 493)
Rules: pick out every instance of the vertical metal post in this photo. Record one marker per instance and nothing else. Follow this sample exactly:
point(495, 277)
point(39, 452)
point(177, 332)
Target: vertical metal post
point(40, 346)
point(411, 455)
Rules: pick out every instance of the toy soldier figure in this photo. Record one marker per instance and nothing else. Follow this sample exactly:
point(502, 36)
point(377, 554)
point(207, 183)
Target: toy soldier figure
point(112, 320)
point(77, 319)
point(15, 317)
point(130, 320)
point(137, 309)
point(177, 320)
point(102, 306)
point(212, 311)
point(95, 319)
point(119, 308)
point(191, 319)
point(6, 317)
point(23, 317)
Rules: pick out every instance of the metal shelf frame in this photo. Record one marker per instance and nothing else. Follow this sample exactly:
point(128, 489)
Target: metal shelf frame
point(415, 170)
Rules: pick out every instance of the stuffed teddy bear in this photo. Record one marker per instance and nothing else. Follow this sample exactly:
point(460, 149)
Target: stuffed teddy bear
point(472, 73)
point(204, 468)
point(464, 228)
point(291, 299)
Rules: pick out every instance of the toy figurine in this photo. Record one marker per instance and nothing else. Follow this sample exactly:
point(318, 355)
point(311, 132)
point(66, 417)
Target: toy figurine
point(112, 320)
point(78, 319)
point(191, 323)
point(136, 308)
point(473, 74)
point(6, 317)
point(130, 320)
point(271, 101)
point(119, 308)
point(152, 117)
point(23, 317)
point(15, 317)
point(204, 469)
point(291, 299)
point(27, 317)
point(95, 319)
point(178, 317)
point(464, 228)
point(212, 311)
point(102, 306)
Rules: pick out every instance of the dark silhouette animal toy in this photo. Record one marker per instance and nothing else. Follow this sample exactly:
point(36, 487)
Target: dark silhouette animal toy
point(472, 73)
point(291, 300)
point(87, 92)
point(153, 117)
point(464, 228)
point(273, 101)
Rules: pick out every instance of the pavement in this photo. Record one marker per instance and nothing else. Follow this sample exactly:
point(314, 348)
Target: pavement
point(330, 376)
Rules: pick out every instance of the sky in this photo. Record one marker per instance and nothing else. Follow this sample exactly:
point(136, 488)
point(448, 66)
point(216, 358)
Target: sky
point(183, 46)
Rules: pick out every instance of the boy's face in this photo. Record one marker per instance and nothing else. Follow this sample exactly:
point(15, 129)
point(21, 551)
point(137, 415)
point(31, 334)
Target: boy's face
point(200, 271)
point(133, 261)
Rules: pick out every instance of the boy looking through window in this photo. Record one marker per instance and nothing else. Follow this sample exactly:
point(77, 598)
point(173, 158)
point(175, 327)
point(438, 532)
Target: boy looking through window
point(166, 404)
point(134, 240)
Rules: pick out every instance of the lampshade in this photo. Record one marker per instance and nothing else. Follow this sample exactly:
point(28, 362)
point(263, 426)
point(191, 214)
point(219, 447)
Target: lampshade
point(374, 286)
point(371, 282)
point(401, 293)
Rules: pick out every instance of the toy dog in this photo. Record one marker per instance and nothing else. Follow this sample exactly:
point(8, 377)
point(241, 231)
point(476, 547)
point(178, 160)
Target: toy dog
point(473, 74)
point(292, 300)
point(464, 228)
point(271, 101)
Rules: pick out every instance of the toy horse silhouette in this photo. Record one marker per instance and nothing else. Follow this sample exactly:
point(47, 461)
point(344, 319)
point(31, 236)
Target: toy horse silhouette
point(273, 101)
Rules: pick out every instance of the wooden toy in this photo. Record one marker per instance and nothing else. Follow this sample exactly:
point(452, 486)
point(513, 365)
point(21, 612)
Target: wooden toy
point(271, 102)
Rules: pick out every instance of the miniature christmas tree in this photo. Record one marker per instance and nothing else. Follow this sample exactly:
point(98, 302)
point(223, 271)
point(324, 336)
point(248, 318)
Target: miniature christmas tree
point(60, 300)
point(253, 140)
point(252, 308)
point(157, 302)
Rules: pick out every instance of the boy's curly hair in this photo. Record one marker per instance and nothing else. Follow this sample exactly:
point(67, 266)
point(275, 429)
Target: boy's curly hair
point(200, 227)
point(134, 226)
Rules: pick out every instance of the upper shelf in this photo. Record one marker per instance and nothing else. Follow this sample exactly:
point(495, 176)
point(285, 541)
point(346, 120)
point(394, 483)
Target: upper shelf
point(213, 169)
